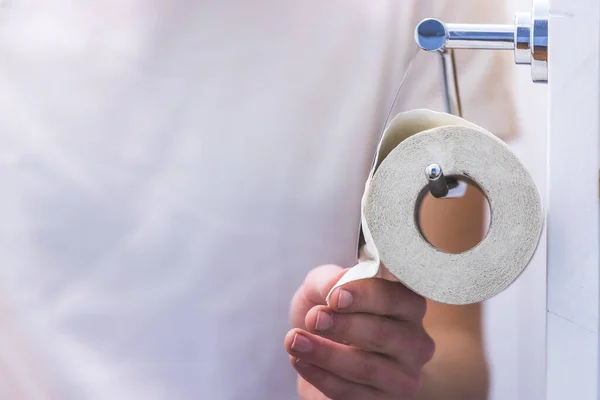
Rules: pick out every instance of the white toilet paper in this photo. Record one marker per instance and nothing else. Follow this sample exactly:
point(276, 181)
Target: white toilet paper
point(393, 191)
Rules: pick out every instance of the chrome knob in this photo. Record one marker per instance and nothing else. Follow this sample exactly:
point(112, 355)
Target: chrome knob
point(432, 34)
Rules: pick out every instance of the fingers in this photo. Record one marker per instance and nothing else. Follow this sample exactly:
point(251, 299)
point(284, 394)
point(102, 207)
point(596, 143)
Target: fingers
point(378, 296)
point(319, 282)
point(330, 385)
point(350, 364)
point(334, 387)
point(312, 292)
point(405, 341)
point(368, 343)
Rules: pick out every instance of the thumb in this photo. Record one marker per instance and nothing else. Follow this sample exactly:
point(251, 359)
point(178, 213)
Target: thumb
point(313, 291)
point(319, 282)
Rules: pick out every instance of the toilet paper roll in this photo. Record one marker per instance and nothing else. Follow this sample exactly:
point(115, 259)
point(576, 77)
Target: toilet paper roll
point(395, 187)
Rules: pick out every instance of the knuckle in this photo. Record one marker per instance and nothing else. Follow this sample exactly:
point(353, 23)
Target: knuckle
point(403, 384)
point(393, 297)
point(366, 370)
point(314, 273)
point(426, 348)
point(340, 392)
point(331, 388)
point(399, 299)
point(411, 386)
point(381, 336)
point(343, 325)
point(323, 354)
point(419, 306)
point(315, 276)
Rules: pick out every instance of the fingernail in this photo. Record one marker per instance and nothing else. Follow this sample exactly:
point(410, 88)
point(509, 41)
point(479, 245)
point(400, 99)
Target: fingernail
point(324, 321)
point(301, 344)
point(344, 299)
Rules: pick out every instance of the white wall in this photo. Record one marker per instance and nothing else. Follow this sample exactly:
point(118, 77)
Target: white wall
point(515, 320)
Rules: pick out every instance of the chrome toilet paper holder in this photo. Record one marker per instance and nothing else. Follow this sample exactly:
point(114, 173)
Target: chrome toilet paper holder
point(527, 36)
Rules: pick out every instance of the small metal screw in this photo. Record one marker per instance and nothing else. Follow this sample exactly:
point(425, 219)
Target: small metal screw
point(436, 181)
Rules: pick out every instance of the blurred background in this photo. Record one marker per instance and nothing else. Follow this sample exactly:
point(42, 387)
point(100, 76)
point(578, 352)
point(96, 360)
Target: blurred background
point(515, 320)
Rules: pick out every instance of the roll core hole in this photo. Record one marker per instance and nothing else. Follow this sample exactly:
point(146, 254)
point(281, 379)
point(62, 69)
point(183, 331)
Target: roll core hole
point(454, 225)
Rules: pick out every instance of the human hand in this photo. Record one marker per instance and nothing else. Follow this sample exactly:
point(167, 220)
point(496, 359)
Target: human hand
point(369, 344)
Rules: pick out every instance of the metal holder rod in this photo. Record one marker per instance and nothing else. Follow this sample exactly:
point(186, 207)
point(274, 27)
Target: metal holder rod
point(440, 186)
point(450, 81)
point(485, 37)
point(527, 37)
